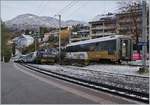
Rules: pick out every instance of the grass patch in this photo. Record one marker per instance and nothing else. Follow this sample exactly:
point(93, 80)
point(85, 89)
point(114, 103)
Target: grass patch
point(143, 70)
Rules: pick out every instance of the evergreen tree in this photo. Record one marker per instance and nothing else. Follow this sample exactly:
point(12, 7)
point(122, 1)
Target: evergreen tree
point(5, 47)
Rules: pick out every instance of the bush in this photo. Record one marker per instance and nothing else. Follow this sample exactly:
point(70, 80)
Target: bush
point(143, 70)
point(7, 55)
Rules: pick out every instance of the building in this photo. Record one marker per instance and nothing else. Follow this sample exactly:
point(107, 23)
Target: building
point(23, 41)
point(46, 36)
point(80, 32)
point(103, 25)
point(130, 23)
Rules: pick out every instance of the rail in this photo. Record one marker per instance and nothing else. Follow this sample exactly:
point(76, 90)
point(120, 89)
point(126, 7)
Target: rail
point(130, 94)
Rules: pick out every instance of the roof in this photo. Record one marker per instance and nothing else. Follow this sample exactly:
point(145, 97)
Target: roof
point(23, 40)
point(103, 17)
point(23, 36)
point(98, 39)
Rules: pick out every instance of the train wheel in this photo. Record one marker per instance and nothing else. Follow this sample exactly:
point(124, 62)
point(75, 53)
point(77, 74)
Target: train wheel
point(119, 61)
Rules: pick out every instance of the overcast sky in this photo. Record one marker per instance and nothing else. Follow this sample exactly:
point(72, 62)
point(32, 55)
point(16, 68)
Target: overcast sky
point(76, 10)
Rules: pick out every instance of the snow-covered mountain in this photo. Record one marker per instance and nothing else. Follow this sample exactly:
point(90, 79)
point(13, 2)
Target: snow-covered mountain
point(30, 21)
point(73, 22)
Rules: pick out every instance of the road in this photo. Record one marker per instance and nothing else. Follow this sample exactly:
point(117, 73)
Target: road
point(20, 85)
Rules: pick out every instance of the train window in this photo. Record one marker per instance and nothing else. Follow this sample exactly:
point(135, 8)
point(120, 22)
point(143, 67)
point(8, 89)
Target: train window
point(106, 45)
point(92, 47)
point(72, 49)
point(84, 47)
point(67, 49)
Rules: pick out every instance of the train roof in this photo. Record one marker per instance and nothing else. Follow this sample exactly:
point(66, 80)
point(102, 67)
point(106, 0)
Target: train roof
point(98, 39)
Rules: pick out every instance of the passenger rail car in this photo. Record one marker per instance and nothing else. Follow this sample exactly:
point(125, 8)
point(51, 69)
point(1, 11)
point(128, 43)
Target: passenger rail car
point(29, 58)
point(47, 55)
point(114, 48)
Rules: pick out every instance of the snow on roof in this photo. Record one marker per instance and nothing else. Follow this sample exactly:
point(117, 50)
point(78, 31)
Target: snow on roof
point(23, 40)
point(23, 36)
point(98, 39)
point(27, 36)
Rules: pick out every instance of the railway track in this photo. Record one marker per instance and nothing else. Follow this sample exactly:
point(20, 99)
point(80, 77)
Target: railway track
point(130, 94)
point(91, 70)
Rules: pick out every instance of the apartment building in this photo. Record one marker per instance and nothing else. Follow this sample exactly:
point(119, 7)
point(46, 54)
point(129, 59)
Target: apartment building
point(103, 25)
point(80, 32)
point(129, 23)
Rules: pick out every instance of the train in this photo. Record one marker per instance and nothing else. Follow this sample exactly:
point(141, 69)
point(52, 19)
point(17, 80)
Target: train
point(42, 56)
point(115, 48)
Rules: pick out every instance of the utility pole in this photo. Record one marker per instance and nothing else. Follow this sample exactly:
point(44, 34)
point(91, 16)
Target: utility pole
point(13, 49)
point(59, 16)
point(59, 38)
point(35, 44)
point(35, 36)
point(70, 33)
point(144, 35)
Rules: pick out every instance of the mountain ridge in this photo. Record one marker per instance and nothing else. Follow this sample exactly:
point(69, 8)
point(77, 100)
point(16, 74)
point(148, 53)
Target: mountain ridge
point(31, 21)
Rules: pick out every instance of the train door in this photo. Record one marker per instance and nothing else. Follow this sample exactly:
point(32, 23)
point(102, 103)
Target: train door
point(125, 49)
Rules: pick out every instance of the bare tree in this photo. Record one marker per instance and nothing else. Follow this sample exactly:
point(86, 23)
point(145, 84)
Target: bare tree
point(132, 9)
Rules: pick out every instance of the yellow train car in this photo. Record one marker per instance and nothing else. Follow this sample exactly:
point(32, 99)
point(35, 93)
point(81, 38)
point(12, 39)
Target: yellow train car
point(114, 48)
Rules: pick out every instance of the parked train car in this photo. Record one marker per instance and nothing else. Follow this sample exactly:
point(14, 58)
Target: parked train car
point(49, 55)
point(41, 56)
point(19, 58)
point(31, 57)
point(28, 58)
point(113, 48)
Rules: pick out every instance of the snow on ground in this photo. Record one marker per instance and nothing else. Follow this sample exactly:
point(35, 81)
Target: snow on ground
point(136, 63)
point(64, 68)
point(105, 74)
point(118, 69)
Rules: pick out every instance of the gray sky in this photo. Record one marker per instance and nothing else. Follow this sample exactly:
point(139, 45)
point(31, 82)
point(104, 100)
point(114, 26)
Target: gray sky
point(78, 10)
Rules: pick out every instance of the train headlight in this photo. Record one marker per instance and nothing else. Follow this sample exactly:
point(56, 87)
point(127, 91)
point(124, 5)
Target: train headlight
point(124, 44)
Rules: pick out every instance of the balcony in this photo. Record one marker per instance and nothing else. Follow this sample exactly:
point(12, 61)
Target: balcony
point(79, 38)
point(103, 34)
point(103, 27)
point(128, 20)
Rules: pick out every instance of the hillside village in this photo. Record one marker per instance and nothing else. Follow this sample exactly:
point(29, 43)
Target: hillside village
point(30, 32)
point(124, 23)
point(98, 55)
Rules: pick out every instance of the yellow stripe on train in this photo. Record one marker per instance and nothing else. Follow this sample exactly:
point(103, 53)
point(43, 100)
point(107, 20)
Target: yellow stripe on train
point(97, 55)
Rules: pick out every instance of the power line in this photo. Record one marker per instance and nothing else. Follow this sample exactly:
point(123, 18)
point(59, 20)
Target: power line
point(73, 5)
point(67, 7)
point(39, 7)
point(74, 11)
point(64, 8)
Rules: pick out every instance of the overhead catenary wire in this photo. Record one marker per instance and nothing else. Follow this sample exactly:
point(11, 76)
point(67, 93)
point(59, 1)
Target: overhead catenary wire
point(64, 9)
point(77, 9)
point(39, 9)
point(67, 7)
